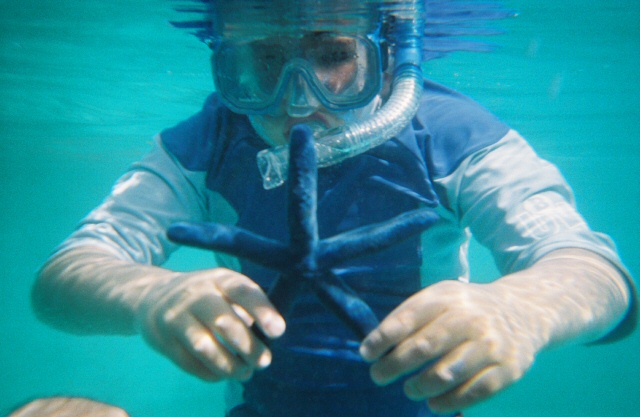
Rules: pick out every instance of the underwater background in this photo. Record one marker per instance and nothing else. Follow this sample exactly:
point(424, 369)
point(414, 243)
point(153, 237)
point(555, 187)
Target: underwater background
point(84, 85)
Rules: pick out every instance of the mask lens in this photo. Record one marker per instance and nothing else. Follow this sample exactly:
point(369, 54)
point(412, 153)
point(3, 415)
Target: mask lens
point(342, 71)
point(267, 59)
point(334, 62)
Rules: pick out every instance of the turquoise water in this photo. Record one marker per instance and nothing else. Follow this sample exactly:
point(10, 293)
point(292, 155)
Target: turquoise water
point(85, 85)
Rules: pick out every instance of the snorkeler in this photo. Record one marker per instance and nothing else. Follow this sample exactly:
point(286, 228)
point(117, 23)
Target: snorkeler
point(388, 142)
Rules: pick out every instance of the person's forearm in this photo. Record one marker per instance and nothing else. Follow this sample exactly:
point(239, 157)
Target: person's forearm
point(570, 295)
point(88, 290)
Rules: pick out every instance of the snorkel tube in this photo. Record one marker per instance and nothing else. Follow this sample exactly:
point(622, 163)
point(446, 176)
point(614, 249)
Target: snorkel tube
point(335, 145)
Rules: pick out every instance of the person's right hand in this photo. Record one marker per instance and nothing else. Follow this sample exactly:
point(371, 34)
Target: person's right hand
point(201, 321)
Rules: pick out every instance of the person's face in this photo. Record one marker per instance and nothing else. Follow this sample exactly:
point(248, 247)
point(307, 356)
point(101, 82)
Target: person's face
point(333, 58)
point(334, 62)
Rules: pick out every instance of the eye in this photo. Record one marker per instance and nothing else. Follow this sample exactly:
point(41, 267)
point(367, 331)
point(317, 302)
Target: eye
point(332, 54)
point(335, 57)
point(269, 59)
point(271, 56)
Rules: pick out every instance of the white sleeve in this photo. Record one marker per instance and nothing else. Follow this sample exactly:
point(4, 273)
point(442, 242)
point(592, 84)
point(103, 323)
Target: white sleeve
point(519, 206)
point(132, 221)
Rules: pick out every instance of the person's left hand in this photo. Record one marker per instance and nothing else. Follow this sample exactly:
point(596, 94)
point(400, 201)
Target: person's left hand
point(466, 342)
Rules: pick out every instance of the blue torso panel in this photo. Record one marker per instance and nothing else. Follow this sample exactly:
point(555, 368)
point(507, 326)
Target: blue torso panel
point(317, 351)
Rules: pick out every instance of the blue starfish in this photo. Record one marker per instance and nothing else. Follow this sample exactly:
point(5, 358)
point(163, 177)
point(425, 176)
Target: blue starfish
point(307, 260)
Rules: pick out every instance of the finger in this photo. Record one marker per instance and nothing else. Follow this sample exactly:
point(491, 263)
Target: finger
point(418, 350)
point(233, 333)
point(240, 290)
point(450, 371)
point(163, 336)
point(405, 320)
point(207, 349)
point(480, 387)
point(185, 360)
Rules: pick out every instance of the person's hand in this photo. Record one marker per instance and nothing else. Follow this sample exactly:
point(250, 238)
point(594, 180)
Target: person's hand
point(67, 407)
point(201, 321)
point(464, 341)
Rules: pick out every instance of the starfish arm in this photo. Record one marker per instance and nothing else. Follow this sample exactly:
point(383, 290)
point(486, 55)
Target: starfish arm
point(284, 291)
point(282, 294)
point(303, 179)
point(232, 240)
point(338, 297)
point(372, 238)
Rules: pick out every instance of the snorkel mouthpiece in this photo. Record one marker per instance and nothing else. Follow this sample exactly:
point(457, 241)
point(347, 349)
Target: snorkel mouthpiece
point(335, 145)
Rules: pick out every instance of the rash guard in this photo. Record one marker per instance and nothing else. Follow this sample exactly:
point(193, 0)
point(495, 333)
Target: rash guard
point(481, 177)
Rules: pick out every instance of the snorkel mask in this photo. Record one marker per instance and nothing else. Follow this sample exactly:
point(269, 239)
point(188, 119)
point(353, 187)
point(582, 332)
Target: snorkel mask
point(342, 72)
point(340, 69)
point(351, 139)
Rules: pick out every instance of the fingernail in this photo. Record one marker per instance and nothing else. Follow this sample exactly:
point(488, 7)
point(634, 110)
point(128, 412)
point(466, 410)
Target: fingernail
point(411, 391)
point(264, 360)
point(367, 347)
point(275, 325)
point(365, 352)
point(445, 374)
point(376, 378)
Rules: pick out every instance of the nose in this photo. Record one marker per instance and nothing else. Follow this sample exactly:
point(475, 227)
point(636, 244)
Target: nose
point(300, 100)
